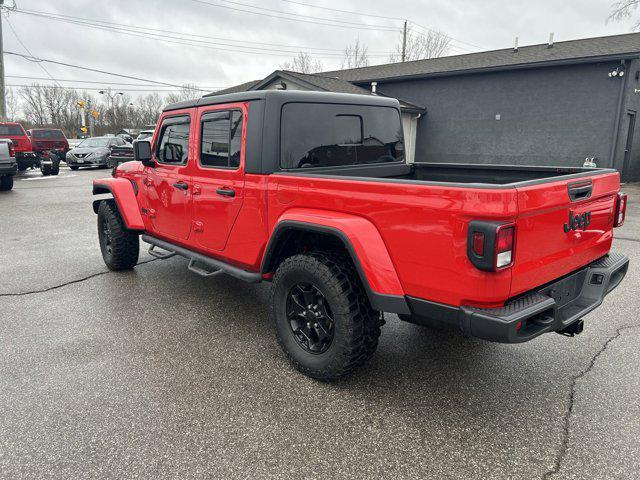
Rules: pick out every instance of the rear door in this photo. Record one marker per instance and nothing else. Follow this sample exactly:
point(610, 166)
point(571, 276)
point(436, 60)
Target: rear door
point(218, 173)
point(562, 226)
point(168, 184)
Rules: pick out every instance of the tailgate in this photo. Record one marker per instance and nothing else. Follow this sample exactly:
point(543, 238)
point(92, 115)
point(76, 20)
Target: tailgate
point(562, 226)
point(48, 144)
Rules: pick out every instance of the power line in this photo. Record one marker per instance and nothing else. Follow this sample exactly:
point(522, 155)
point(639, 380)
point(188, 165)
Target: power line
point(100, 82)
point(164, 32)
point(168, 90)
point(361, 26)
point(351, 12)
point(186, 41)
point(436, 31)
point(282, 12)
point(15, 34)
point(36, 60)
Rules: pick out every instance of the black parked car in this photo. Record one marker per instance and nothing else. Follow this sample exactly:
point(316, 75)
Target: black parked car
point(92, 152)
point(124, 153)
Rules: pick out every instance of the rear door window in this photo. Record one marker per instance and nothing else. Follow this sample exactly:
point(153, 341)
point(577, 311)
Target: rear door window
point(328, 135)
point(173, 143)
point(221, 139)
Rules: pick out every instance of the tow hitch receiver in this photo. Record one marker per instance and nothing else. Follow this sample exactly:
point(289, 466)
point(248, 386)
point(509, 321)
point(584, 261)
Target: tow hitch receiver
point(572, 330)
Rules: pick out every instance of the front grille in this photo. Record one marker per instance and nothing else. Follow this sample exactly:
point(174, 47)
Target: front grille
point(80, 155)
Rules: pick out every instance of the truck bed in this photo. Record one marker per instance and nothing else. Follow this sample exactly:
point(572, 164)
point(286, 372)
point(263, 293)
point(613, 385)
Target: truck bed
point(477, 175)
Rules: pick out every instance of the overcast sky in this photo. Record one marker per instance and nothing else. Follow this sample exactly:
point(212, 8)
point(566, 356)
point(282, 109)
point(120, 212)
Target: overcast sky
point(474, 25)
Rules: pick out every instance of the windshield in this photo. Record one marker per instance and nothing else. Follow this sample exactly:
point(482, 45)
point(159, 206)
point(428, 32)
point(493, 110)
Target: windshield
point(144, 135)
point(47, 134)
point(94, 142)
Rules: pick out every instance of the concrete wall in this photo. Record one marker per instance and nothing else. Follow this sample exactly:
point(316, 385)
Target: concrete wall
point(544, 116)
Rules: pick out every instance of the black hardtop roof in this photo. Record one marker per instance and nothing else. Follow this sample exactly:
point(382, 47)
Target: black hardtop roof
point(284, 96)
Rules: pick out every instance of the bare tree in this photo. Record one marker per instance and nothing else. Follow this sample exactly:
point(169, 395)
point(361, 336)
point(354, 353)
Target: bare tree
point(356, 55)
point(302, 63)
point(432, 44)
point(34, 104)
point(148, 109)
point(13, 106)
point(188, 91)
point(625, 9)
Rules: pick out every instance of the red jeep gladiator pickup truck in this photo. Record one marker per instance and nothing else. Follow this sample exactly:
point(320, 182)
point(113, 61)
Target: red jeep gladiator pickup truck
point(311, 191)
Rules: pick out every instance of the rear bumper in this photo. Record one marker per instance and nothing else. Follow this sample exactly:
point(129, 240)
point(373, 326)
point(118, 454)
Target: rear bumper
point(8, 168)
point(550, 308)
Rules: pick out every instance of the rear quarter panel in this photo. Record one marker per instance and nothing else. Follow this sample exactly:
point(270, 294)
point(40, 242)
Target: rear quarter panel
point(424, 228)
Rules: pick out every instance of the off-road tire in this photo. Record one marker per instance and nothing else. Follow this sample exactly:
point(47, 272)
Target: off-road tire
point(356, 324)
point(55, 168)
point(120, 247)
point(22, 167)
point(74, 167)
point(6, 183)
point(46, 170)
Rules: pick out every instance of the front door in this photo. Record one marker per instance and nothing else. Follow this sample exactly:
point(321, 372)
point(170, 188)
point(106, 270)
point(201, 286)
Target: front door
point(218, 174)
point(168, 185)
point(627, 148)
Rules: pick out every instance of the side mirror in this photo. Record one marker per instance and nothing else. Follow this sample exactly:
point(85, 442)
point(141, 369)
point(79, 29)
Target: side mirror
point(142, 153)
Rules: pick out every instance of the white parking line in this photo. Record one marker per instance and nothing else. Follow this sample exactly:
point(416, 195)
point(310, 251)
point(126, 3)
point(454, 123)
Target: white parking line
point(49, 177)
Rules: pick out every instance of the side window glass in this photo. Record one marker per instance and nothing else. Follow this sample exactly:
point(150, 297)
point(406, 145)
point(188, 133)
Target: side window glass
point(221, 139)
point(173, 147)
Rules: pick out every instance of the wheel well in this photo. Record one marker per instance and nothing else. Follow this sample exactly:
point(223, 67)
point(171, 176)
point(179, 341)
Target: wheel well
point(292, 241)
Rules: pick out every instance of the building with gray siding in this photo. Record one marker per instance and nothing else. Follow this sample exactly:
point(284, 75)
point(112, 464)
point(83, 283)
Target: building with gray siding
point(549, 104)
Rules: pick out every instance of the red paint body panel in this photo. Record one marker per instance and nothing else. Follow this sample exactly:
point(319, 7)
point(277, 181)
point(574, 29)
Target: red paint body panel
point(365, 239)
point(424, 229)
point(22, 143)
point(124, 195)
point(410, 237)
point(544, 250)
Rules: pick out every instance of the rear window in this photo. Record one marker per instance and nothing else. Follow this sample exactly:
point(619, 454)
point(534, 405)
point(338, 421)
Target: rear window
point(57, 134)
point(327, 135)
point(11, 130)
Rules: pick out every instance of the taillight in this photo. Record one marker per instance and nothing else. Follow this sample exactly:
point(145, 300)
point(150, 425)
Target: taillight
point(621, 210)
point(12, 150)
point(505, 238)
point(478, 243)
point(490, 245)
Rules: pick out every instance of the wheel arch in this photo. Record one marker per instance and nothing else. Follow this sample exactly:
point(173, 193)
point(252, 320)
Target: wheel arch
point(124, 197)
point(373, 265)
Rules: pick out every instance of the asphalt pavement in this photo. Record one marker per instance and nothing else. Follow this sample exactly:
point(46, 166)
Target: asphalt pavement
point(159, 373)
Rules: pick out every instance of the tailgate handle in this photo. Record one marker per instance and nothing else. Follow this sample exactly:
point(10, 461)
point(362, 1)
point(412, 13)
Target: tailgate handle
point(579, 191)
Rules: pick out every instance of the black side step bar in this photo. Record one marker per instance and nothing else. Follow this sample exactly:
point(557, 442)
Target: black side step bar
point(215, 265)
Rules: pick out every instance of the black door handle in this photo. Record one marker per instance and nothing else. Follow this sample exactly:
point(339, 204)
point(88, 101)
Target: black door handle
point(227, 192)
point(181, 185)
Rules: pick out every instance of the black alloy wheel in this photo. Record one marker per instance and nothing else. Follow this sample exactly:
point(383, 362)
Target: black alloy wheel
point(310, 318)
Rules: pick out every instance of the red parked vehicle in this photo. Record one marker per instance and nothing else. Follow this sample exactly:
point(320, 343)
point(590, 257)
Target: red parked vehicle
point(311, 191)
point(49, 140)
point(25, 157)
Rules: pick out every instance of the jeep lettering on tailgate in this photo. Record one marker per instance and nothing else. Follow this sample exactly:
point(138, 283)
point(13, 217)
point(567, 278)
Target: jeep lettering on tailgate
point(579, 220)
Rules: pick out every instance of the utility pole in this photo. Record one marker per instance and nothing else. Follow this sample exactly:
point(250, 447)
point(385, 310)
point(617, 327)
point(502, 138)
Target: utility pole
point(3, 96)
point(404, 41)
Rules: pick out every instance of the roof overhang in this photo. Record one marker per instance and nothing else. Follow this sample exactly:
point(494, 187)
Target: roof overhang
point(517, 66)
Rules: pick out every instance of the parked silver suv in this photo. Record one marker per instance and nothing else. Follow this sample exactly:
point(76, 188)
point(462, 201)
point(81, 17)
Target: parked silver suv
point(8, 165)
